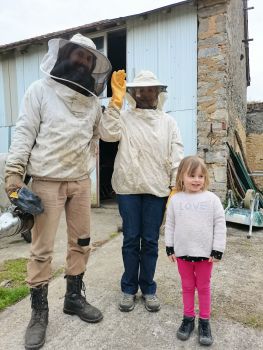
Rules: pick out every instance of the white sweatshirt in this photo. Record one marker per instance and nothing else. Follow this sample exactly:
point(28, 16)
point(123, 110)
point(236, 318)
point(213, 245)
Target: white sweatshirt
point(195, 224)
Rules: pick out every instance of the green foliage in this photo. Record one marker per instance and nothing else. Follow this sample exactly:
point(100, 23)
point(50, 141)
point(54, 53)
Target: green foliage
point(12, 276)
point(14, 270)
point(9, 296)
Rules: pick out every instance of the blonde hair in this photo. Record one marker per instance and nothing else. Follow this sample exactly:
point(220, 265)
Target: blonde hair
point(188, 166)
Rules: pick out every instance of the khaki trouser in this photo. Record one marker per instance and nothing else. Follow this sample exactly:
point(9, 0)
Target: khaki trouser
point(74, 197)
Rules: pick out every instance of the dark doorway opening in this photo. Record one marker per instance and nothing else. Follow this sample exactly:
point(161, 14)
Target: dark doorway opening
point(117, 56)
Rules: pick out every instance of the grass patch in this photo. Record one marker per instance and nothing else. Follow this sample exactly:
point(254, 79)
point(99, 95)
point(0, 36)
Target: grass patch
point(241, 312)
point(57, 272)
point(254, 321)
point(9, 296)
point(12, 276)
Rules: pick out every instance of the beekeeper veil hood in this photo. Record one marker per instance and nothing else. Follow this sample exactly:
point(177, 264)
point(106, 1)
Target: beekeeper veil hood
point(146, 91)
point(78, 64)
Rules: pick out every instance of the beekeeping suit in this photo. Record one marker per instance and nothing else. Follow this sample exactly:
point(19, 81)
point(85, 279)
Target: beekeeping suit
point(150, 146)
point(53, 144)
point(63, 103)
point(150, 149)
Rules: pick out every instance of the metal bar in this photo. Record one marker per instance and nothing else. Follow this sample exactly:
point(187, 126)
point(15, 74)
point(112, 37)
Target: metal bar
point(246, 44)
point(252, 206)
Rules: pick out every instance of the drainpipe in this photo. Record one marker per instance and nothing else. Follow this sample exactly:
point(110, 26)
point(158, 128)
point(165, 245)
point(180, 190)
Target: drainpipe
point(246, 40)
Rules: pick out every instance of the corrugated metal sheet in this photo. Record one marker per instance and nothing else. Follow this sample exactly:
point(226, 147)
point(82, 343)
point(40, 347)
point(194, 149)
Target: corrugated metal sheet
point(2, 96)
point(4, 139)
point(166, 43)
point(18, 71)
point(163, 41)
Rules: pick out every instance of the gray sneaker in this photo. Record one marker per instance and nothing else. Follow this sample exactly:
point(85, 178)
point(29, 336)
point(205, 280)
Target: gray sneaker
point(152, 302)
point(127, 302)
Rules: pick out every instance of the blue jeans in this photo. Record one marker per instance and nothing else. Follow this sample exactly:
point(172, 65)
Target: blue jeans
point(142, 216)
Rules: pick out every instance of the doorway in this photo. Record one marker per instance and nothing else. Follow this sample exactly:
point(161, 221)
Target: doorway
point(116, 43)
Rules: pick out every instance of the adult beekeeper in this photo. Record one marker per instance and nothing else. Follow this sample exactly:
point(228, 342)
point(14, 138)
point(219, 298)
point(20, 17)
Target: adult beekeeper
point(53, 143)
point(150, 149)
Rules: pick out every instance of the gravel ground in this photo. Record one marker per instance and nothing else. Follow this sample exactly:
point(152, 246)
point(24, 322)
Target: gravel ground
point(237, 281)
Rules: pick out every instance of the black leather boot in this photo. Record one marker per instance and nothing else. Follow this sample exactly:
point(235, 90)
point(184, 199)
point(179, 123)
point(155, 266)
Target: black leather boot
point(36, 330)
point(76, 304)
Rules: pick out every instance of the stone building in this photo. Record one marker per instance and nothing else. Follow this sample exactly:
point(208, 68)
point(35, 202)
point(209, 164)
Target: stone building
point(223, 77)
point(199, 48)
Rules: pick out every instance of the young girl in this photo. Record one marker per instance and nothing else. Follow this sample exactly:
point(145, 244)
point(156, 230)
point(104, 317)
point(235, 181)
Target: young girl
point(195, 237)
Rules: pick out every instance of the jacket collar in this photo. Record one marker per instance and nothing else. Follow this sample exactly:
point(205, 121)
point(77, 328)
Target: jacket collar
point(67, 94)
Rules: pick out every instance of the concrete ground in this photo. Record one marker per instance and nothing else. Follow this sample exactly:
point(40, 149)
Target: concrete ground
point(104, 224)
point(138, 329)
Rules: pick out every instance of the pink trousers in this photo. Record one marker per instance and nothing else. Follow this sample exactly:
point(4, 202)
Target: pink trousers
point(196, 275)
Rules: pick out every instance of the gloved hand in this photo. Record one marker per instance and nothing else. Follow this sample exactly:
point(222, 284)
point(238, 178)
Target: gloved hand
point(172, 193)
point(118, 86)
point(13, 183)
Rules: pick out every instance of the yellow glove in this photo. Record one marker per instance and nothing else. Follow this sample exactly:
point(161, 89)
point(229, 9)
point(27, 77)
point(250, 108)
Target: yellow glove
point(172, 193)
point(118, 86)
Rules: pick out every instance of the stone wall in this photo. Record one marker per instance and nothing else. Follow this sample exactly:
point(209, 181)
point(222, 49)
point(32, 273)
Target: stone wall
point(221, 87)
point(236, 82)
point(254, 142)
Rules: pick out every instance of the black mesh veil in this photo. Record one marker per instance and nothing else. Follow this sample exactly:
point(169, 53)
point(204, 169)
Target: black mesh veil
point(88, 80)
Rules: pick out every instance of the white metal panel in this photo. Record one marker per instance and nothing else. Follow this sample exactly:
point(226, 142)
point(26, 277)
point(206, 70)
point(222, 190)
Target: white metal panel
point(42, 50)
point(4, 139)
point(8, 88)
point(24, 74)
point(142, 46)
point(2, 96)
point(17, 72)
point(31, 66)
point(20, 78)
point(166, 43)
point(6, 92)
point(13, 91)
point(186, 121)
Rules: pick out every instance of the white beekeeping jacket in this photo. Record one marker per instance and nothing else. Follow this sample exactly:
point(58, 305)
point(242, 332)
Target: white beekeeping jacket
point(57, 124)
point(150, 149)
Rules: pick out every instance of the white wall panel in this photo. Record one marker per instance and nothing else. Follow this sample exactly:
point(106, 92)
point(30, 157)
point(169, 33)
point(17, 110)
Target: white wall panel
point(166, 43)
point(2, 96)
point(17, 72)
point(4, 139)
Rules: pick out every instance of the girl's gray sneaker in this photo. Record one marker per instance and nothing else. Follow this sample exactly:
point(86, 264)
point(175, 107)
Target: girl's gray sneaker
point(152, 302)
point(127, 302)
